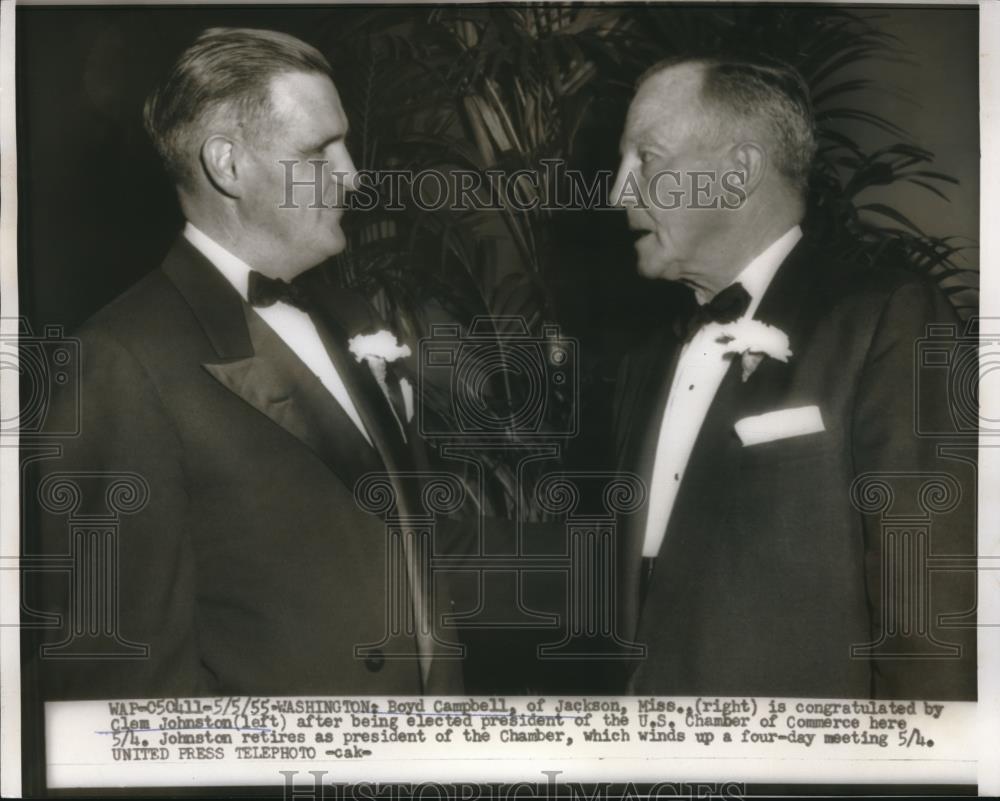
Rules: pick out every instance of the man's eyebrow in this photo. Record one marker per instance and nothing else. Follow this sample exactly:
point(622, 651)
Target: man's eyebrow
point(639, 139)
point(339, 137)
point(648, 138)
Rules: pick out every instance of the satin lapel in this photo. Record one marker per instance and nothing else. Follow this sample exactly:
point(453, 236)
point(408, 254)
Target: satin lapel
point(642, 413)
point(343, 313)
point(712, 459)
point(215, 303)
point(787, 302)
point(277, 384)
point(257, 366)
point(376, 413)
point(369, 400)
point(648, 382)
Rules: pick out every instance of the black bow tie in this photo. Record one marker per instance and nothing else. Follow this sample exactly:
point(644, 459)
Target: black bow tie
point(263, 292)
point(730, 304)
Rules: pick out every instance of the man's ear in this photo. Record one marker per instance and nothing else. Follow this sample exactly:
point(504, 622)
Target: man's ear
point(749, 162)
point(219, 160)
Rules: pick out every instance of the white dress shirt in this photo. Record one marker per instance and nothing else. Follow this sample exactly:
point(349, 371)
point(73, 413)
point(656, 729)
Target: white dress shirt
point(293, 325)
point(701, 367)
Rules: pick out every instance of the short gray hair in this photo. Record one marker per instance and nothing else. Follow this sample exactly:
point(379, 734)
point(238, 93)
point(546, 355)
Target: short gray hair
point(227, 70)
point(765, 96)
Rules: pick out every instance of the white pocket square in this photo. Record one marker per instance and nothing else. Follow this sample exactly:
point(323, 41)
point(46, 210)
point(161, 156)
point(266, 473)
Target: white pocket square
point(781, 424)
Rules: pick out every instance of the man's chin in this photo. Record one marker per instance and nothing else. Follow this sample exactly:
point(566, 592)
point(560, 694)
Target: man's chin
point(317, 256)
point(334, 245)
point(659, 269)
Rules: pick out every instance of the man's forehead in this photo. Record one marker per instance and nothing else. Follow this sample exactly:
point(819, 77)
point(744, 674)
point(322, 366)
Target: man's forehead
point(668, 99)
point(306, 95)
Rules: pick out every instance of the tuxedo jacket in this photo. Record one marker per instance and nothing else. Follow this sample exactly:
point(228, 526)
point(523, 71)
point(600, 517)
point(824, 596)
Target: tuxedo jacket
point(251, 569)
point(769, 573)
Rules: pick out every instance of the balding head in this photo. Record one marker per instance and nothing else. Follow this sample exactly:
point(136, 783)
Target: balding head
point(763, 101)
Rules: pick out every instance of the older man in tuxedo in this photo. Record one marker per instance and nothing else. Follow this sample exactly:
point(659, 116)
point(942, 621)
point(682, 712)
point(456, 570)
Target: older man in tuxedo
point(224, 380)
point(790, 377)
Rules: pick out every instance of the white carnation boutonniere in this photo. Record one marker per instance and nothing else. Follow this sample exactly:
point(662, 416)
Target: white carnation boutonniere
point(379, 350)
point(752, 340)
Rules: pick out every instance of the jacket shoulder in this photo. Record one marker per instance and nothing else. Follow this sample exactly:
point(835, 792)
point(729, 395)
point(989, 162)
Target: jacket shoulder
point(870, 278)
point(144, 311)
point(133, 310)
point(845, 286)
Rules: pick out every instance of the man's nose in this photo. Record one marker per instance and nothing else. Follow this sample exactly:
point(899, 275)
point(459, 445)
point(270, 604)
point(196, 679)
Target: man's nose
point(351, 178)
point(619, 197)
point(344, 171)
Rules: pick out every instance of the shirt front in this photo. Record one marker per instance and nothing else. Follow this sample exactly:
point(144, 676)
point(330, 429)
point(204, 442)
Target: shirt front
point(294, 326)
point(701, 367)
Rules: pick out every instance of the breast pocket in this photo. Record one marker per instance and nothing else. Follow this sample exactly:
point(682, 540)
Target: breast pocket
point(792, 450)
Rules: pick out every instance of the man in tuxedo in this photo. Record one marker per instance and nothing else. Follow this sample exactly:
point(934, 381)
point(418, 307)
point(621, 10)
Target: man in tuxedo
point(753, 572)
point(229, 389)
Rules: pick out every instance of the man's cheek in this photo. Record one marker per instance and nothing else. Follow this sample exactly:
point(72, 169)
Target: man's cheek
point(662, 229)
point(652, 248)
point(666, 192)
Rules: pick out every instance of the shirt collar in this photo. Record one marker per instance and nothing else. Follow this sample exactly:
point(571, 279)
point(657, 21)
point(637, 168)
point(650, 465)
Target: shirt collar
point(233, 268)
point(757, 275)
